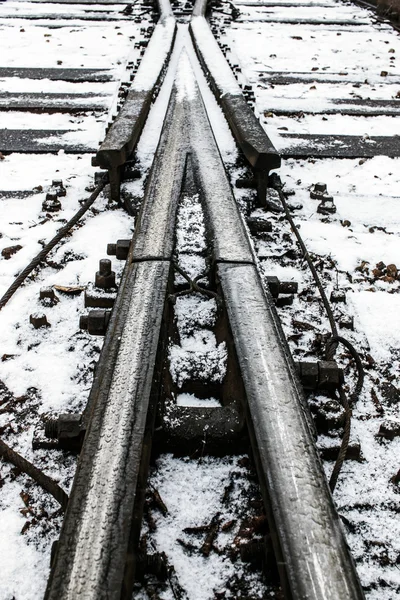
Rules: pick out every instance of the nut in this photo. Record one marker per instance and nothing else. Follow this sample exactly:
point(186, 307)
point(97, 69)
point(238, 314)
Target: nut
point(105, 277)
point(38, 320)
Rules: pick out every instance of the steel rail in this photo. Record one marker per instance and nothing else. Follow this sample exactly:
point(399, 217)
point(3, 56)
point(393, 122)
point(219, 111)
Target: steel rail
point(245, 126)
point(95, 557)
point(313, 557)
point(124, 133)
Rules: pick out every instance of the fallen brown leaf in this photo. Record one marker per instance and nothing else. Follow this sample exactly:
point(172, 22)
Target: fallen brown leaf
point(70, 289)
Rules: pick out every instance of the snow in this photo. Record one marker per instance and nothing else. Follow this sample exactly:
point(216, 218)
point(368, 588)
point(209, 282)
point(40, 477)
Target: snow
point(155, 56)
point(191, 400)
point(18, 559)
point(185, 80)
point(213, 57)
point(47, 371)
point(378, 314)
point(193, 492)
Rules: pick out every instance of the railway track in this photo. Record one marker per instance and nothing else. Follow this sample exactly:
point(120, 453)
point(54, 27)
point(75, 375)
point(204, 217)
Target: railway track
point(195, 362)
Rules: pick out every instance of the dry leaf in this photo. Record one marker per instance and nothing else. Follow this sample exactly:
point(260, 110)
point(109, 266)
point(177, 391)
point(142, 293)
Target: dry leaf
point(70, 289)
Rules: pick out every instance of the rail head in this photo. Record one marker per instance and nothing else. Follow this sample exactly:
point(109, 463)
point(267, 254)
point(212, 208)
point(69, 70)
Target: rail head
point(316, 562)
point(313, 556)
point(246, 128)
point(124, 133)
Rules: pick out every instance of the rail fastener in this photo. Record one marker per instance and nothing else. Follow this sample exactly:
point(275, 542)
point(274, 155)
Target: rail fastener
point(95, 322)
point(124, 132)
point(38, 320)
point(277, 287)
point(67, 430)
point(99, 299)
point(319, 375)
point(105, 277)
point(120, 249)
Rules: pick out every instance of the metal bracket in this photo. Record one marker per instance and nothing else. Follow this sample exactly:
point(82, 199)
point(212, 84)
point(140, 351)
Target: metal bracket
point(320, 375)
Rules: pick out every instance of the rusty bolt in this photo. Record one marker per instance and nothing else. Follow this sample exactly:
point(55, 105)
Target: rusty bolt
point(67, 429)
point(273, 284)
point(319, 191)
point(95, 322)
point(389, 429)
point(288, 287)
point(319, 188)
point(322, 375)
point(330, 376)
point(83, 322)
point(286, 300)
point(347, 323)
point(338, 296)
point(99, 299)
point(59, 188)
point(120, 250)
point(47, 292)
point(38, 320)
point(51, 203)
point(277, 287)
point(308, 372)
point(105, 277)
point(47, 296)
point(327, 206)
point(257, 225)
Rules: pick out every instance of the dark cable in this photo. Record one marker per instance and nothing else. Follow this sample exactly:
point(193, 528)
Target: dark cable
point(310, 263)
point(46, 482)
point(332, 343)
point(45, 251)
